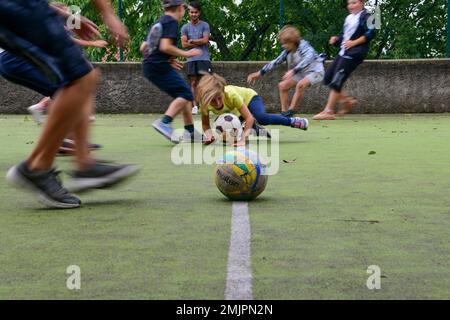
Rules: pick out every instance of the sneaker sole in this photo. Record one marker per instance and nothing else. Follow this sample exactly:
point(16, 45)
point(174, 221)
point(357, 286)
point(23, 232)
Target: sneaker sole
point(307, 125)
point(16, 179)
point(77, 185)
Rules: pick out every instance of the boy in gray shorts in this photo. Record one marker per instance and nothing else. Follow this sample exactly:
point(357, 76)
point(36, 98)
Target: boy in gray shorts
point(305, 68)
point(195, 34)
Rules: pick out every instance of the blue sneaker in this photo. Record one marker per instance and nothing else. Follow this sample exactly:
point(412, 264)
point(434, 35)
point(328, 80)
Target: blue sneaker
point(300, 123)
point(165, 129)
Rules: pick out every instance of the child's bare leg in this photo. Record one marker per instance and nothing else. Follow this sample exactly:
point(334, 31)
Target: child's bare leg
point(64, 113)
point(178, 105)
point(333, 99)
point(347, 103)
point(187, 114)
point(299, 90)
point(81, 135)
point(284, 87)
point(193, 82)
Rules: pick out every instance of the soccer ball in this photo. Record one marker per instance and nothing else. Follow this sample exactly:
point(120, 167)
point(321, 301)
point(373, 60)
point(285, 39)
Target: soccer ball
point(229, 127)
point(240, 175)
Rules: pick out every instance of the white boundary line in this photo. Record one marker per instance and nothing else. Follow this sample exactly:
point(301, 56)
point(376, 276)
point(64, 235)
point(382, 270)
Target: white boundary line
point(239, 274)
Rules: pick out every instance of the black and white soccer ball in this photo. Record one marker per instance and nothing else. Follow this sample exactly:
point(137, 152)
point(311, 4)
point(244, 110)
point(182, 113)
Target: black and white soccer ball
point(229, 127)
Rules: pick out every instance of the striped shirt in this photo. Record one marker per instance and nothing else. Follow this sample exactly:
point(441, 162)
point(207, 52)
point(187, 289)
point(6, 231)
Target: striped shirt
point(305, 57)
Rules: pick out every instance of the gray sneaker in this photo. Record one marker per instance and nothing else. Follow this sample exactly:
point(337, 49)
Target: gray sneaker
point(165, 129)
point(45, 184)
point(195, 137)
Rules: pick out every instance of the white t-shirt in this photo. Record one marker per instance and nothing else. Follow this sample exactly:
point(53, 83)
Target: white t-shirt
point(350, 26)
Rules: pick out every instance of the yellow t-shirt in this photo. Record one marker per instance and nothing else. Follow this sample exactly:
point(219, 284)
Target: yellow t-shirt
point(234, 99)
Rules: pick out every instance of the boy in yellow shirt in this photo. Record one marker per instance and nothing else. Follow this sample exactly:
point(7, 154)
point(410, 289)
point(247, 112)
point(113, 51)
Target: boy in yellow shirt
point(218, 97)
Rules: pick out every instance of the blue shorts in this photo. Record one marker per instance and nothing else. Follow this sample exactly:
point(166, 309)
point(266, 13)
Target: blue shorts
point(19, 71)
point(168, 80)
point(33, 31)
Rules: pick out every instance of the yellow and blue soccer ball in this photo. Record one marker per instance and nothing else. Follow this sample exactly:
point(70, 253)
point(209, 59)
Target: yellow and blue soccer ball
point(240, 175)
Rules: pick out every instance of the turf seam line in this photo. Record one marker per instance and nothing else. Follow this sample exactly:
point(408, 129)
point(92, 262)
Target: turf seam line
point(239, 273)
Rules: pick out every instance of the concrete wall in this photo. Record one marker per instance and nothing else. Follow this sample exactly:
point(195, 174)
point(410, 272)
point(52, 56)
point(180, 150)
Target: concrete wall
point(400, 86)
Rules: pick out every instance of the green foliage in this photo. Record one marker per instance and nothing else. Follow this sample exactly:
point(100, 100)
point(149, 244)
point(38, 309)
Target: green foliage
point(247, 29)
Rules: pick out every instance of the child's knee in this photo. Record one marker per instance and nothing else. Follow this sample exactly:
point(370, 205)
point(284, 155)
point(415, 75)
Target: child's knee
point(283, 86)
point(300, 86)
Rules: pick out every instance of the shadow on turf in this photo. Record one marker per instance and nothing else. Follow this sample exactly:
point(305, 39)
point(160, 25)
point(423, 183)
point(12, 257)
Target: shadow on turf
point(93, 204)
point(259, 200)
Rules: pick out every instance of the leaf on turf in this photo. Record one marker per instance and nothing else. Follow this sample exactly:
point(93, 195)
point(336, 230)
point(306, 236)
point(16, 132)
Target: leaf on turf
point(290, 161)
point(361, 221)
point(371, 153)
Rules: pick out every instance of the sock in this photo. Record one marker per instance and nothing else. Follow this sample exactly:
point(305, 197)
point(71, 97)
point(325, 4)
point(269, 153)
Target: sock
point(167, 119)
point(189, 128)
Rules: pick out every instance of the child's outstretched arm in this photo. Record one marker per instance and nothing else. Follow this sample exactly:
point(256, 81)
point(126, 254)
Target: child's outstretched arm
point(209, 137)
point(267, 68)
point(167, 47)
point(249, 121)
point(94, 44)
point(116, 28)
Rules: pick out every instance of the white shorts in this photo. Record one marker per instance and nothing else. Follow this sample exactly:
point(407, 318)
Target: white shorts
point(313, 77)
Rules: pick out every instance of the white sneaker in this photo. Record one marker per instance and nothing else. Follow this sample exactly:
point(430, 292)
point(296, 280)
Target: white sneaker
point(37, 112)
point(195, 110)
point(92, 119)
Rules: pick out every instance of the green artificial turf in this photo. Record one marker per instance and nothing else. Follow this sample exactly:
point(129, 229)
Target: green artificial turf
point(364, 190)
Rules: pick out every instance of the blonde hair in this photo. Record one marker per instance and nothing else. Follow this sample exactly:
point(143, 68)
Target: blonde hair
point(209, 87)
point(290, 34)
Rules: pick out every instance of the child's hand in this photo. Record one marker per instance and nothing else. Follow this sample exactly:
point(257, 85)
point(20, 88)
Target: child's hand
point(117, 30)
point(349, 44)
point(99, 44)
point(176, 64)
point(289, 75)
point(209, 140)
point(251, 79)
point(193, 53)
point(240, 143)
point(333, 40)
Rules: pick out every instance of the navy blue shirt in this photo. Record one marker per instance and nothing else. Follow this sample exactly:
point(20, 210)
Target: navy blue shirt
point(166, 27)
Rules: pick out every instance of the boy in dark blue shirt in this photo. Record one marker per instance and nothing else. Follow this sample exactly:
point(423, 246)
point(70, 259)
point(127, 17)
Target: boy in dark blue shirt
point(160, 67)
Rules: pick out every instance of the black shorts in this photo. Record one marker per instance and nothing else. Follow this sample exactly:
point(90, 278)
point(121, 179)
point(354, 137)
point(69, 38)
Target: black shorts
point(195, 68)
point(163, 76)
point(33, 31)
point(339, 72)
